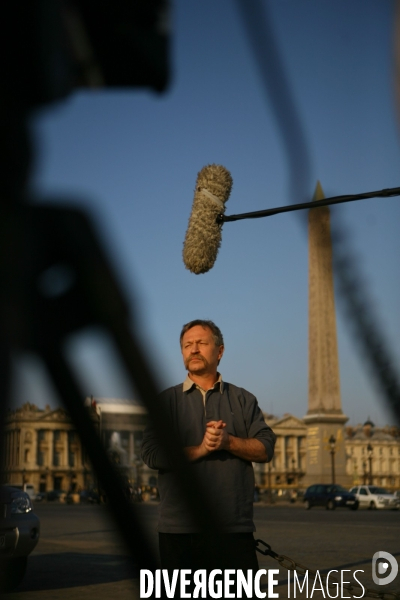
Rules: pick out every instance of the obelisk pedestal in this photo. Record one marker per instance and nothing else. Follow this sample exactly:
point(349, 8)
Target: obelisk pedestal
point(324, 416)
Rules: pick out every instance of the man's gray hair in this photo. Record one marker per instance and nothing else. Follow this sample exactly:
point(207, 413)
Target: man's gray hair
point(216, 332)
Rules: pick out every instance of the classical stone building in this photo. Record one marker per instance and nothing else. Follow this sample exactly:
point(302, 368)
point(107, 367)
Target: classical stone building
point(288, 467)
point(372, 455)
point(121, 425)
point(41, 447)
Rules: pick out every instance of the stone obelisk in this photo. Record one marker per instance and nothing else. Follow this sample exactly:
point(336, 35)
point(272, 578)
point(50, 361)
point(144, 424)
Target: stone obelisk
point(324, 417)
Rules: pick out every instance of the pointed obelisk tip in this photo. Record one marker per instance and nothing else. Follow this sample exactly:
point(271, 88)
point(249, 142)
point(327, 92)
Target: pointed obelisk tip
point(319, 192)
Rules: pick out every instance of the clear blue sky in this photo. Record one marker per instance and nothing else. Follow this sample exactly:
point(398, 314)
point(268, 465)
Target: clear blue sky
point(132, 157)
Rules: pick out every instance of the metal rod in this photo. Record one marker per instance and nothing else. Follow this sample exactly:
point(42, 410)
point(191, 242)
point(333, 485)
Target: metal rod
point(386, 193)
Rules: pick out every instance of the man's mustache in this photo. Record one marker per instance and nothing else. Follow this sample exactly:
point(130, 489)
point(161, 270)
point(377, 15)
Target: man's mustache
point(197, 357)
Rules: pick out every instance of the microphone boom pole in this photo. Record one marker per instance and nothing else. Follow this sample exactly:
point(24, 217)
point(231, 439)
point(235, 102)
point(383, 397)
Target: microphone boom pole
point(386, 193)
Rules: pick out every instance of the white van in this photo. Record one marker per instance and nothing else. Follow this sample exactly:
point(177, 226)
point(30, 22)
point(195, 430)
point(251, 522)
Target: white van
point(30, 490)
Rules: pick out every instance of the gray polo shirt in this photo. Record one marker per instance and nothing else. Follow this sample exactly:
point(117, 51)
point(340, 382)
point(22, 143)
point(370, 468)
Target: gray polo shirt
point(227, 479)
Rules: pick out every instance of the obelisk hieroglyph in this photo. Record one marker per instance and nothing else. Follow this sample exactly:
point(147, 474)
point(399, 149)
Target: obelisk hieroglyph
point(324, 416)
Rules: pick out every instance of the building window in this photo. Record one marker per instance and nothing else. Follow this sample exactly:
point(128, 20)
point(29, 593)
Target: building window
point(71, 459)
point(40, 458)
point(56, 459)
point(41, 435)
point(57, 435)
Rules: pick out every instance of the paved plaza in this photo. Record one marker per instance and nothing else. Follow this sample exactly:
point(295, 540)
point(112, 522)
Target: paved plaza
point(80, 557)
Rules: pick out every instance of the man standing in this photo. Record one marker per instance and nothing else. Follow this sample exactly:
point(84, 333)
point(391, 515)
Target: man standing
point(222, 430)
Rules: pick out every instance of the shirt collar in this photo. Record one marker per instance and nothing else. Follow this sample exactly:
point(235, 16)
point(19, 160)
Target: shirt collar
point(189, 383)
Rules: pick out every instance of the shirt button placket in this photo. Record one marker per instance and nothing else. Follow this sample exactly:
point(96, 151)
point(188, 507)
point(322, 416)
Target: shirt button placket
point(210, 416)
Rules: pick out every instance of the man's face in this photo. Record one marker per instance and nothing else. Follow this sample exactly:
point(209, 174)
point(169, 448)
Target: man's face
point(199, 351)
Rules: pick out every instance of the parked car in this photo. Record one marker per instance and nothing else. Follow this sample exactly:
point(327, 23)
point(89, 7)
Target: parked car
point(330, 496)
point(19, 534)
point(372, 497)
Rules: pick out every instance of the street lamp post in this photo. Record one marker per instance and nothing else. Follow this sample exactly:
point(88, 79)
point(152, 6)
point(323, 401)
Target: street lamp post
point(370, 451)
point(364, 473)
point(332, 444)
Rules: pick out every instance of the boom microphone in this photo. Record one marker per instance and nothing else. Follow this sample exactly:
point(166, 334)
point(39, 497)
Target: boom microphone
point(203, 236)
